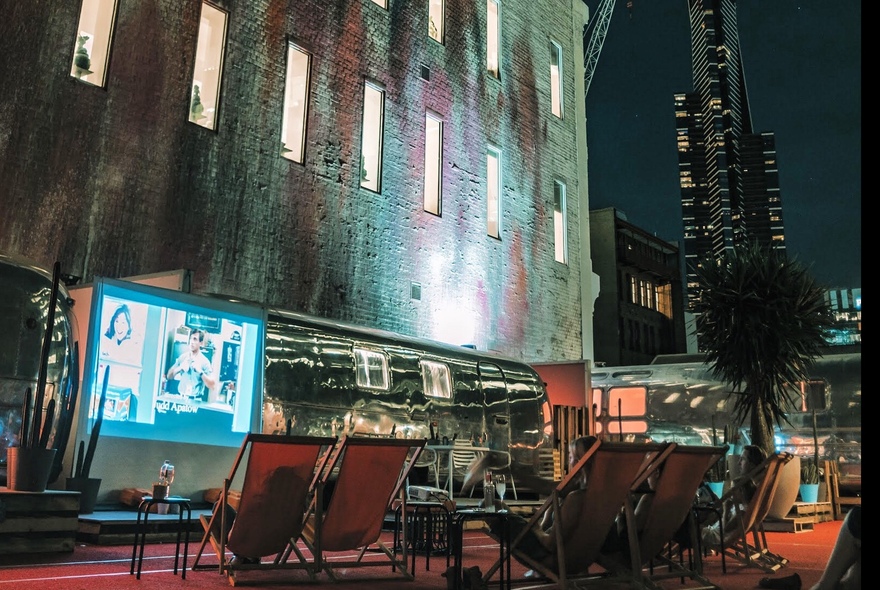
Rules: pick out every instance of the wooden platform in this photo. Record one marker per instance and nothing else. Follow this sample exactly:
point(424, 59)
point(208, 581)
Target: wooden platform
point(38, 522)
point(117, 527)
point(801, 518)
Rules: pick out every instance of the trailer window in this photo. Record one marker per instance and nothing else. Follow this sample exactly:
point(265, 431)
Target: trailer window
point(632, 401)
point(436, 380)
point(812, 396)
point(371, 367)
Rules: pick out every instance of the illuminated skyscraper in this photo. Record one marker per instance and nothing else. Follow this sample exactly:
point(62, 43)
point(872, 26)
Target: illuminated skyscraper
point(727, 172)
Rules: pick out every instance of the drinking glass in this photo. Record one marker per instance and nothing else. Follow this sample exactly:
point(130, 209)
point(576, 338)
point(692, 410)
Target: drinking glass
point(500, 485)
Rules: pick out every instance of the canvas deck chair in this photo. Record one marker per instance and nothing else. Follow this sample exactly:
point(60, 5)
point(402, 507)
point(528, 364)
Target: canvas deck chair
point(611, 469)
point(676, 476)
point(367, 474)
point(279, 475)
point(748, 522)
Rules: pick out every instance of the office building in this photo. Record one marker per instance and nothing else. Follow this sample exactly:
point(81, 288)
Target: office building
point(728, 172)
point(639, 312)
point(846, 307)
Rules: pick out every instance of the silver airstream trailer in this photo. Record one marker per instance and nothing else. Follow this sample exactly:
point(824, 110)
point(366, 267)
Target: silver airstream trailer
point(324, 377)
point(677, 399)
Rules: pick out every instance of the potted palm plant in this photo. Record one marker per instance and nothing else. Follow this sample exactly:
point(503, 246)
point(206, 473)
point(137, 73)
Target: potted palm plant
point(761, 322)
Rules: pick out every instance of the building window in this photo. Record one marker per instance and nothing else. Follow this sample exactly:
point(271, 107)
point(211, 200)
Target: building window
point(436, 379)
point(560, 221)
point(208, 65)
point(556, 79)
point(296, 107)
point(433, 163)
point(493, 38)
point(92, 46)
point(371, 138)
point(493, 191)
point(371, 369)
point(436, 20)
point(382, 3)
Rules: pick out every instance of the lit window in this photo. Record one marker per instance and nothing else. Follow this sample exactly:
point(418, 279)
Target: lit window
point(560, 235)
point(92, 45)
point(493, 59)
point(493, 194)
point(371, 368)
point(296, 87)
point(382, 3)
point(433, 163)
point(371, 140)
point(436, 379)
point(556, 79)
point(209, 62)
point(436, 20)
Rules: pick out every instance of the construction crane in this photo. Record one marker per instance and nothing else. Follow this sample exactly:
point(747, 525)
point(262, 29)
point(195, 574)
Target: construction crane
point(594, 37)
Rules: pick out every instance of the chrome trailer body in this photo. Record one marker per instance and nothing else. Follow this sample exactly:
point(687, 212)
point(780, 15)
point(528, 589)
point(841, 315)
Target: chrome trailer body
point(311, 383)
point(25, 291)
point(683, 402)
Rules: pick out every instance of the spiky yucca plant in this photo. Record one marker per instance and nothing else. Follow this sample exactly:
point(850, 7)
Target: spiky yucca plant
point(761, 322)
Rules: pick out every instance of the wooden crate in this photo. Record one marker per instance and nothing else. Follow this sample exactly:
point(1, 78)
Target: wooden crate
point(818, 511)
point(38, 522)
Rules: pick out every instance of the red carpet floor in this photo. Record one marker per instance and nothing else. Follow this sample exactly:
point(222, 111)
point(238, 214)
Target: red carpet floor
point(93, 567)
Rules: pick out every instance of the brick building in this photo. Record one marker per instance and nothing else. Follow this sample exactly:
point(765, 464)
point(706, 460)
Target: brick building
point(639, 312)
point(140, 137)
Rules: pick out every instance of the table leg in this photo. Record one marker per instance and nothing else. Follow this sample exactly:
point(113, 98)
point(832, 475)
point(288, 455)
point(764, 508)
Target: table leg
point(143, 538)
point(179, 531)
point(137, 530)
point(451, 483)
point(429, 540)
point(457, 534)
point(186, 537)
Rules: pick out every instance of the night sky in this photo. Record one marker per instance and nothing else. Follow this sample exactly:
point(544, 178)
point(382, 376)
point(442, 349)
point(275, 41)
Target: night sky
point(802, 63)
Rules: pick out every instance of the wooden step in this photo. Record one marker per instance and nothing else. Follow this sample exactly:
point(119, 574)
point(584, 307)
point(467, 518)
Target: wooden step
point(789, 524)
point(38, 522)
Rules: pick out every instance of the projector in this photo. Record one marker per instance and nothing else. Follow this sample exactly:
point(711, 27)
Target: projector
point(427, 494)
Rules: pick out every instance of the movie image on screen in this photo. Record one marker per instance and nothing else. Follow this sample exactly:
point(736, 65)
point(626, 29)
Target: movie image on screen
point(182, 368)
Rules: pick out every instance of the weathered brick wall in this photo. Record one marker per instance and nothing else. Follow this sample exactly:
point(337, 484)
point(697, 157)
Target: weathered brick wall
point(115, 182)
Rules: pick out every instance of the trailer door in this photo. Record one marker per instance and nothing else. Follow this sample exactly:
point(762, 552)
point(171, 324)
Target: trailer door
point(497, 425)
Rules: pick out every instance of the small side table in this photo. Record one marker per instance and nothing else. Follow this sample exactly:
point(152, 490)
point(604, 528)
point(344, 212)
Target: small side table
point(459, 518)
point(140, 531)
point(421, 519)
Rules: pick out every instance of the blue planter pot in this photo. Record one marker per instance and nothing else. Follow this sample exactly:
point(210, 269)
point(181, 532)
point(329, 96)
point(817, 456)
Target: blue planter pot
point(717, 487)
point(809, 492)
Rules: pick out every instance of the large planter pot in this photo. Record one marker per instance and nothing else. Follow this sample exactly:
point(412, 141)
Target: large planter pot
point(28, 468)
point(88, 492)
point(787, 490)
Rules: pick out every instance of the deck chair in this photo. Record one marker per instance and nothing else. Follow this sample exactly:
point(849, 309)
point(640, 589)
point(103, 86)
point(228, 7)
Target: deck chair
point(366, 475)
point(748, 521)
point(651, 527)
point(279, 476)
point(611, 469)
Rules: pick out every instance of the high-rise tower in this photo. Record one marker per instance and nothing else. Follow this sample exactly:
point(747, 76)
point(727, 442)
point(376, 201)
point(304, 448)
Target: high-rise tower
point(727, 172)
